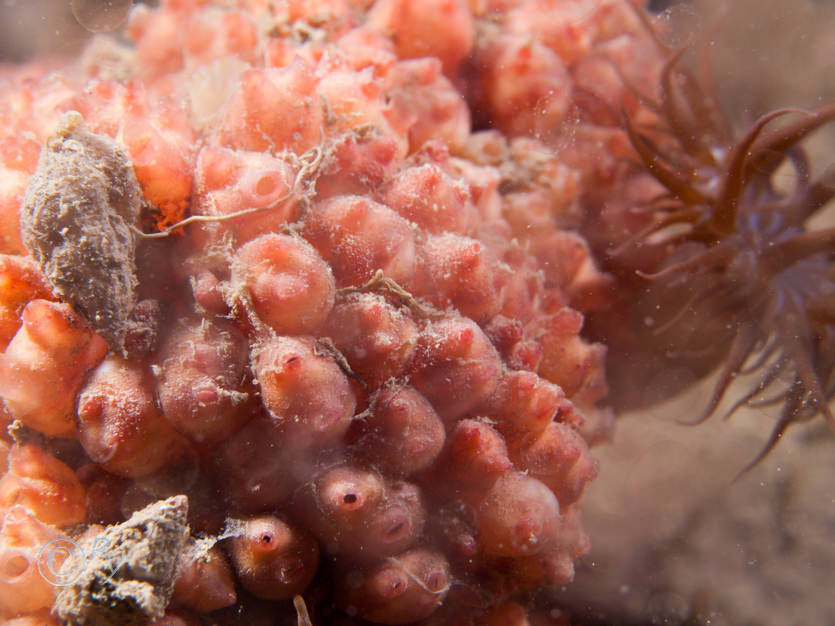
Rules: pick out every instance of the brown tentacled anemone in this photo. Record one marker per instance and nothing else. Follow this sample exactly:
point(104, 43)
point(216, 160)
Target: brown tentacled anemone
point(723, 266)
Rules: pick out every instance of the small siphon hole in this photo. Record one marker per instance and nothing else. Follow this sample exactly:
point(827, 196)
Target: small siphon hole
point(15, 566)
point(435, 582)
point(265, 185)
point(397, 530)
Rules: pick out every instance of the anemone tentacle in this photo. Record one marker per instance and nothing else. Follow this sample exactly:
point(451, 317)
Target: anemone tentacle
point(736, 255)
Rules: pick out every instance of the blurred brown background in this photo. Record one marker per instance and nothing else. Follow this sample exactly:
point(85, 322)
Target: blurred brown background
point(30, 27)
point(44, 27)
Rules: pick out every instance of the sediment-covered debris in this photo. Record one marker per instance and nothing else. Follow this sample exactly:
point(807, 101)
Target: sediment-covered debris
point(127, 571)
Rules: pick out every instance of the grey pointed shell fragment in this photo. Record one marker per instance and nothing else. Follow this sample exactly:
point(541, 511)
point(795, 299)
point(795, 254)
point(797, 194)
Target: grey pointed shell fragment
point(76, 219)
point(126, 575)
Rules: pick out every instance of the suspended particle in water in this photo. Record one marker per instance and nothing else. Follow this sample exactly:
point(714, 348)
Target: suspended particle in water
point(101, 16)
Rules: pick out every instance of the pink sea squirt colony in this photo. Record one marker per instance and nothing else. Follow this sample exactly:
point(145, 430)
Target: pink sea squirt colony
point(359, 359)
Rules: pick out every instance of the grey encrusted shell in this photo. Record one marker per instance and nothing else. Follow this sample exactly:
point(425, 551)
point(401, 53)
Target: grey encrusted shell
point(128, 571)
point(76, 219)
